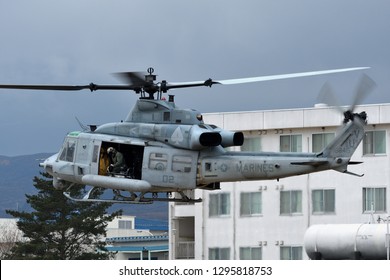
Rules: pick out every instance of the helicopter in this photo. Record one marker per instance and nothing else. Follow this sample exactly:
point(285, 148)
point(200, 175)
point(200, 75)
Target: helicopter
point(163, 149)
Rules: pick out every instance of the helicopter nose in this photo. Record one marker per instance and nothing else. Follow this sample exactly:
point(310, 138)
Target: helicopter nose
point(48, 163)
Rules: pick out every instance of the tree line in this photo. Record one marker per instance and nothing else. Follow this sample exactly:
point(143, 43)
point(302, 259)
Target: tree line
point(57, 228)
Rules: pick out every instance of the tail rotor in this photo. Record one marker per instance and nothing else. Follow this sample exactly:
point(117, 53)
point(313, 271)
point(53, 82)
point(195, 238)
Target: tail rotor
point(364, 87)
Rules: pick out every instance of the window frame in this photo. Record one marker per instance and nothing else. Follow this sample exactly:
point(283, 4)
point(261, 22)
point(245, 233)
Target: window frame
point(325, 139)
point(68, 150)
point(371, 144)
point(219, 253)
point(125, 224)
point(250, 142)
point(292, 210)
point(372, 200)
point(219, 205)
point(292, 251)
point(251, 204)
point(324, 201)
point(297, 138)
point(251, 253)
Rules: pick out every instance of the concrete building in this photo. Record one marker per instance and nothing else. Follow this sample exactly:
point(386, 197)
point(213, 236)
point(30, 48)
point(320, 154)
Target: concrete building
point(9, 235)
point(133, 238)
point(268, 219)
point(126, 236)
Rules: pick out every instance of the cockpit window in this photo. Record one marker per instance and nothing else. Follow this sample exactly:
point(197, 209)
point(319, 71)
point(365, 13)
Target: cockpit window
point(67, 153)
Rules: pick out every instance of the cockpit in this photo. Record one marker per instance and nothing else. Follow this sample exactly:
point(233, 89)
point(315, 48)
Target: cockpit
point(68, 149)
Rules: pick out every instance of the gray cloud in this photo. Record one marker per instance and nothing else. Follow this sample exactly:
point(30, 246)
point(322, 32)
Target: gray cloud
point(77, 42)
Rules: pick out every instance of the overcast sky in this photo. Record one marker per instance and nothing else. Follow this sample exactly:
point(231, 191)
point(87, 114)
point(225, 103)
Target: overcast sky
point(82, 41)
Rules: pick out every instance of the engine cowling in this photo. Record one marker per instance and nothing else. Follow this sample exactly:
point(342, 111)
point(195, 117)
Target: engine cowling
point(201, 137)
point(194, 137)
point(230, 138)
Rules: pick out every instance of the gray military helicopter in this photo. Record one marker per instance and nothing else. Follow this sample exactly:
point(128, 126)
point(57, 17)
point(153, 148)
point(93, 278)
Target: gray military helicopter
point(161, 148)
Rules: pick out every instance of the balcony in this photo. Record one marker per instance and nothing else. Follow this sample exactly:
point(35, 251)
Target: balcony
point(185, 250)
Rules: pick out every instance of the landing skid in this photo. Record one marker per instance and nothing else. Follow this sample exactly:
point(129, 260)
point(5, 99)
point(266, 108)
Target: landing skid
point(132, 199)
point(104, 200)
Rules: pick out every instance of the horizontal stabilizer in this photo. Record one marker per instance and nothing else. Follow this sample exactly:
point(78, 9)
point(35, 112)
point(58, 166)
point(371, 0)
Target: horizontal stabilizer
point(343, 169)
point(355, 162)
point(353, 174)
point(314, 163)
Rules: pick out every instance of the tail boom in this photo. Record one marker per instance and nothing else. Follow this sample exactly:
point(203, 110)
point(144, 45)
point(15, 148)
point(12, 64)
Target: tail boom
point(238, 166)
point(345, 143)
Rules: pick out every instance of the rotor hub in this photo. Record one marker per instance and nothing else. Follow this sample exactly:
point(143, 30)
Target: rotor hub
point(349, 116)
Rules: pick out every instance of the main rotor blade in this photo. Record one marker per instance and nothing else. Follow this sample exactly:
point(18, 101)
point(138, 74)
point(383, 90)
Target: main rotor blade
point(45, 87)
point(211, 82)
point(91, 87)
point(287, 76)
point(136, 83)
point(132, 78)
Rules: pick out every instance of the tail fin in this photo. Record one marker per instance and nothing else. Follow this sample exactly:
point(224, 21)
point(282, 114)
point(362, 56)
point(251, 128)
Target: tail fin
point(346, 142)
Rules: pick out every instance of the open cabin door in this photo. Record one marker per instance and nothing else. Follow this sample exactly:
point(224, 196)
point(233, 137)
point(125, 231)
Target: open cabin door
point(133, 156)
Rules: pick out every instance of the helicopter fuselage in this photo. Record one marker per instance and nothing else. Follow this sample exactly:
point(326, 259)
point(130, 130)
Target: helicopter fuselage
point(162, 148)
point(153, 166)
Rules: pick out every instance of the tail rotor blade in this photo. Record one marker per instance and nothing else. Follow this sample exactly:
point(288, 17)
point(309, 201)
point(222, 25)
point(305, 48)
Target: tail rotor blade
point(365, 86)
point(328, 97)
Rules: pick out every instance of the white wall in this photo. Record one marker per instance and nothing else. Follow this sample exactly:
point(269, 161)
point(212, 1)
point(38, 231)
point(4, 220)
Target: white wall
point(270, 227)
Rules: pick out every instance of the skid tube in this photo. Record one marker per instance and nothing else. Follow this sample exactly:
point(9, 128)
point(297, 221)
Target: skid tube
point(132, 199)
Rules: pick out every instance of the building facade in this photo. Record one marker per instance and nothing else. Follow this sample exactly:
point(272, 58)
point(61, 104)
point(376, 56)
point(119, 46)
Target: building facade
point(132, 238)
point(268, 219)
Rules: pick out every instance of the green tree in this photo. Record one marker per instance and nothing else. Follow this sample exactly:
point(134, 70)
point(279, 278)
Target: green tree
point(59, 228)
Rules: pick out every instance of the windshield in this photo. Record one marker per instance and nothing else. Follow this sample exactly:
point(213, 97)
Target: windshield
point(67, 153)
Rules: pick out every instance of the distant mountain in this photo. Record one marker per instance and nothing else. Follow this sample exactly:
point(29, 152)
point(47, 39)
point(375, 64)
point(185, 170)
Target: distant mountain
point(16, 180)
point(16, 174)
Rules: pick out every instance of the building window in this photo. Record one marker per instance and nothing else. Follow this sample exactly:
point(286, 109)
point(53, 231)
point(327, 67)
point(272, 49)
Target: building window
point(291, 253)
point(323, 201)
point(250, 203)
point(124, 224)
point(219, 253)
point(250, 253)
point(291, 143)
point(374, 142)
point(290, 202)
point(374, 200)
point(219, 204)
point(320, 141)
point(251, 144)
